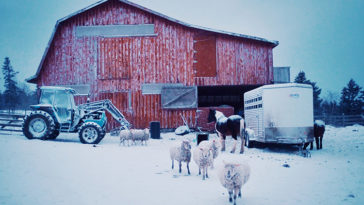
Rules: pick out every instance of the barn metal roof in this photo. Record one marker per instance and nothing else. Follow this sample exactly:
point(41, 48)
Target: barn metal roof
point(33, 78)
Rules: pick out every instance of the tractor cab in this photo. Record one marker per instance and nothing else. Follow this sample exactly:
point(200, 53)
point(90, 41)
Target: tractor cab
point(58, 100)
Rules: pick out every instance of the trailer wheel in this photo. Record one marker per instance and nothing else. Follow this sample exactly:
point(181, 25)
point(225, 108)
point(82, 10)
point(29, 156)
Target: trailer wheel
point(91, 133)
point(38, 124)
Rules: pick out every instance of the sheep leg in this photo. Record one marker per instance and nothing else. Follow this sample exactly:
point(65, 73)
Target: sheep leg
point(317, 142)
point(230, 195)
point(235, 191)
point(207, 176)
point(180, 167)
point(239, 195)
point(199, 170)
point(203, 174)
point(172, 163)
point(188, 168)
point(321, 142)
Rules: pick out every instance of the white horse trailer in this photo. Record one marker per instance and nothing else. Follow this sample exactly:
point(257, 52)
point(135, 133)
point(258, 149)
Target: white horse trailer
point(279, 113)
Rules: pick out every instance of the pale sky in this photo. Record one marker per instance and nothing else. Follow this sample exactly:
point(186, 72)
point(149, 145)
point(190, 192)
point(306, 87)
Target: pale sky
point(323, 38)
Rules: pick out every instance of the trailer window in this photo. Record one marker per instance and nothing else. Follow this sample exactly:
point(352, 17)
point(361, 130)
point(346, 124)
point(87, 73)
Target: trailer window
point(254, 107)
point(253, 100)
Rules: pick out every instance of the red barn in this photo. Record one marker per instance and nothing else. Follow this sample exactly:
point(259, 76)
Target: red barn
point(151, 66)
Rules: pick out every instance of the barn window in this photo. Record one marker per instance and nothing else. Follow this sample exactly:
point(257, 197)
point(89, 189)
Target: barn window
point(116, 30)
point(204, 46)
point(156, 88)
point(179, 97)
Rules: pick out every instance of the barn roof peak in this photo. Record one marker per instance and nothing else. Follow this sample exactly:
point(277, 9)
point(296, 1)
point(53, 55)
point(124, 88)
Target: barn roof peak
point(32, 79)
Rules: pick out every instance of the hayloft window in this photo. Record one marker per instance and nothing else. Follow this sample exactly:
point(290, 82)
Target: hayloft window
point(204, 63)
point(110, 31)
point(114, 59)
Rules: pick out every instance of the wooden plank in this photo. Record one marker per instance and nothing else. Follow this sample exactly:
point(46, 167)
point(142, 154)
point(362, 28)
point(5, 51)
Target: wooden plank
point(2, 125)
point(11, 130)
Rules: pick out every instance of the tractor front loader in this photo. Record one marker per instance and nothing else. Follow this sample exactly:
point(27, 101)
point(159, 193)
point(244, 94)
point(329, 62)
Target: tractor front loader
point(57, 112)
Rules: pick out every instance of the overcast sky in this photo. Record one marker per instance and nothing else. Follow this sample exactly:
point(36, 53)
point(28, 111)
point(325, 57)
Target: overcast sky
point(323, 38)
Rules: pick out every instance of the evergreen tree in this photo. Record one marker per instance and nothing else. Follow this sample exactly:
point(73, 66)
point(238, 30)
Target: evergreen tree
point(330, 105)
point(301, 78)
point(11, 90)
point(351, 99)
point(1, 101)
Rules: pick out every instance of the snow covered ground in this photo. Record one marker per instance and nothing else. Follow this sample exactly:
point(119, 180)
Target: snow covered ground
point(65, 171)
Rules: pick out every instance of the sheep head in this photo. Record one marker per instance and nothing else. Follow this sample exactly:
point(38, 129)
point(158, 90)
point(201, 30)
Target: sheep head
point(186, 145)
point(205, 153)
point(231, 171)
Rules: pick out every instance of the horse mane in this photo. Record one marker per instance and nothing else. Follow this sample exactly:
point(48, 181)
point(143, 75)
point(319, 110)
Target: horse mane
point(219, 115)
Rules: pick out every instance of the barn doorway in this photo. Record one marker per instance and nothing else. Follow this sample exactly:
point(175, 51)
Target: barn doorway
point(232, 95)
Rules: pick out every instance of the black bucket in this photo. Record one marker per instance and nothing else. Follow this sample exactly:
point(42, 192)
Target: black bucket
point(202, 136)
point(155, 132)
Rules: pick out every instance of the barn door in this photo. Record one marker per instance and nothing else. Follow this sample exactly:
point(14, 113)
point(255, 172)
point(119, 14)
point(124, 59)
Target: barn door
point(204, 58)
point(179, 97)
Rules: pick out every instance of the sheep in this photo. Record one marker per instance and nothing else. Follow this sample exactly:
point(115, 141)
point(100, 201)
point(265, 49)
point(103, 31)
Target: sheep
point(125, 135)
point(233, 176)
point(140, 135)
point(134, 135)
point(214, 145)
point(181, 153)
point(203, 158)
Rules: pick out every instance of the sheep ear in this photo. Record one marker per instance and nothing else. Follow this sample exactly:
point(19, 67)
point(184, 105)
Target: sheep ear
point(237, 165)
point(201, 148)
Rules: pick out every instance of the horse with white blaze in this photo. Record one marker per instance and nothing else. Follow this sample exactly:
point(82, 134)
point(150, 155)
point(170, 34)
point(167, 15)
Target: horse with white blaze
point(233, 125)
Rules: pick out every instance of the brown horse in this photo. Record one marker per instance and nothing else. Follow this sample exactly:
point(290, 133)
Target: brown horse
point(233, 125)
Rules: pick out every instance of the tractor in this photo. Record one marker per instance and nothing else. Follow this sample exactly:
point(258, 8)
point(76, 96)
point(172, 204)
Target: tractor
point(57, 112)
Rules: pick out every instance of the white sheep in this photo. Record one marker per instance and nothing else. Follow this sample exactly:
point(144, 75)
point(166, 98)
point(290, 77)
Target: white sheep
point(233, 176)
point(203, 158)
point(134, 135)
point(181, 153)
point(140, 135)
point(214, 145)
point(125, 135)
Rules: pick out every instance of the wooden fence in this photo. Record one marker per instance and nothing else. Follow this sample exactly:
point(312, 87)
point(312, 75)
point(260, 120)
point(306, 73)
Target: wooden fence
point(341, 120)
point(11, 122)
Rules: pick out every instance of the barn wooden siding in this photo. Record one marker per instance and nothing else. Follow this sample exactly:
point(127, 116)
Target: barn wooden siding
point(116, 68)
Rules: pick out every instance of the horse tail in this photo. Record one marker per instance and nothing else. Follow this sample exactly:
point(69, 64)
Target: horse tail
point(242, 128)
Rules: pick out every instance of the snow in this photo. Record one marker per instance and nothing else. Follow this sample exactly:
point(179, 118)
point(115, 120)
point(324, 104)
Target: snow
point(320, 123)
point(65, 171)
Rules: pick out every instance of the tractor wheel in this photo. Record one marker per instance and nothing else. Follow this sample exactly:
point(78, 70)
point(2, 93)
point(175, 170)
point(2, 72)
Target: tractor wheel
point(91, 133)
point(38, 124)
point(54, 135)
